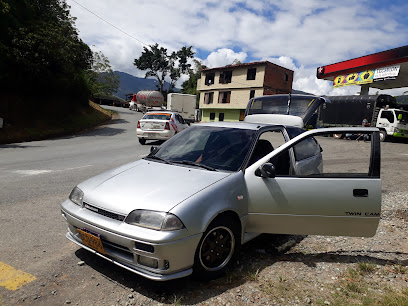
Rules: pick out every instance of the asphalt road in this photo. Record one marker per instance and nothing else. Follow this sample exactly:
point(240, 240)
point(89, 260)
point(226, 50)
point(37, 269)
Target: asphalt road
point(36, 177)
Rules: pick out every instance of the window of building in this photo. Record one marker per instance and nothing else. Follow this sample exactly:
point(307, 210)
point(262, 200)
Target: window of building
point(212, 116)
point(224, 97)
point(221, 117)
point(251, 74)
point(225, 77)
point(286, 76)
point(208, 98)
point(252, 94)
point(209, 79)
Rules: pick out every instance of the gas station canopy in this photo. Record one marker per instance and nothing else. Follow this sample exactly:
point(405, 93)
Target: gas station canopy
point(383, 70)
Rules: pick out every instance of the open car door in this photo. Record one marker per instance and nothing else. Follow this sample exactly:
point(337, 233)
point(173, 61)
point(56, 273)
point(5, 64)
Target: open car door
point(333, 187)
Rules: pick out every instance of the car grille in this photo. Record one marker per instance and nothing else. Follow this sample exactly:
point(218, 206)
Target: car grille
point(105, 213)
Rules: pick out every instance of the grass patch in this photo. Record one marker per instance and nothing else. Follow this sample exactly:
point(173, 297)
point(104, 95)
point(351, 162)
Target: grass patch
point(177, 300)
point(400, 269)
point(366, 267)
point(393, 298)
point(44, 125)
point(357, 288)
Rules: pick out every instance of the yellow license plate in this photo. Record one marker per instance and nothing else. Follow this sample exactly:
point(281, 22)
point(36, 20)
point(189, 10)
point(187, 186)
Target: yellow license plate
point(91, 241)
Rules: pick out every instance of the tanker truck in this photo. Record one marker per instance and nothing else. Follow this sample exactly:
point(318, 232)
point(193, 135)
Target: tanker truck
point(146, 100)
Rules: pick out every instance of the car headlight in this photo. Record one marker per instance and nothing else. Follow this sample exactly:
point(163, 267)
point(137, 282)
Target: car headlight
point(77, 196)
point(156, 220)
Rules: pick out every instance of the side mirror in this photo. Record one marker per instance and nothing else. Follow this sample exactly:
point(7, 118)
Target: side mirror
point(266, 171)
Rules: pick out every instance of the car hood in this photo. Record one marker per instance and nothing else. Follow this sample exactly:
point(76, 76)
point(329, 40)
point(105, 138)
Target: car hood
point(146, 185)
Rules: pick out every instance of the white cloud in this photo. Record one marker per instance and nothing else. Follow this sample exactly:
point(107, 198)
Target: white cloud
point(223, 57)
point(302, 34)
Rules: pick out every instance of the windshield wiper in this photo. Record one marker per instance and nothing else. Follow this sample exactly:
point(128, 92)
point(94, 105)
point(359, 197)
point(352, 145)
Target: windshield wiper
point(191, 163)
point(158, 158)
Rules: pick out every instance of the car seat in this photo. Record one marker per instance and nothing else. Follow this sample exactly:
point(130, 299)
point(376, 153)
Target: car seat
point(262, 148)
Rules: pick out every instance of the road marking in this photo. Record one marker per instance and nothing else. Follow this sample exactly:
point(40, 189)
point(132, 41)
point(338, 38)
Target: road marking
point(38, 171)
point(13, 279)
point(31, 172)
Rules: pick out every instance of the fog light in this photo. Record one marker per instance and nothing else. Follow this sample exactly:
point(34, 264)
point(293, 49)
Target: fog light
point(148, 261)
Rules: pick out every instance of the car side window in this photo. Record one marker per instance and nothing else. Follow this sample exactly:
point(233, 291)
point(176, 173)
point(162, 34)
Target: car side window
point(180, 119)
point(388, 115)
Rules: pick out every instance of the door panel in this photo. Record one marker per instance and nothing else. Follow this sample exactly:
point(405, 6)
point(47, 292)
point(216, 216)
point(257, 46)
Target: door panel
point(341, 196)
point(307, 206)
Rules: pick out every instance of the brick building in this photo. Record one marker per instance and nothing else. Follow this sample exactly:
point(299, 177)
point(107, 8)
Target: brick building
point(225, 91)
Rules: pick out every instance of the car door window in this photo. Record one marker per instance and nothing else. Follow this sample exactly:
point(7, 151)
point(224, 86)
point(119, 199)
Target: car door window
point(388, 115)
point(326, 156)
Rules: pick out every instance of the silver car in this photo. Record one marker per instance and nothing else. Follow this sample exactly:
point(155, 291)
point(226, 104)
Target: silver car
point(215, 186)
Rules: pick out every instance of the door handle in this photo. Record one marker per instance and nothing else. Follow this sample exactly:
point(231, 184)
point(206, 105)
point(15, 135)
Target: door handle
point(361, 193)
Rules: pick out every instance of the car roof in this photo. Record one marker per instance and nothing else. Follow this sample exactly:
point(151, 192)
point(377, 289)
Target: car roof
point(160, 111)
point(237, 125)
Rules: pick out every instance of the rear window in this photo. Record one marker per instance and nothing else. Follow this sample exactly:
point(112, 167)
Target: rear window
point(157, 116)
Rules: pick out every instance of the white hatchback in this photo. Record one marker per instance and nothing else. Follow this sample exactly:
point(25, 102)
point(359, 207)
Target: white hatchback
point(159, 125)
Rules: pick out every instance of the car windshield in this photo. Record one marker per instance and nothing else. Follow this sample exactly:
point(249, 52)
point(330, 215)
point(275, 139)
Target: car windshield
point(212, 148)
point(280, 105)
point(157, 116)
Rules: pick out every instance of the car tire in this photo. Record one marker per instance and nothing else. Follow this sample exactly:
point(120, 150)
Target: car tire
point(383, 135)
point(217, 249)
point(142, 141)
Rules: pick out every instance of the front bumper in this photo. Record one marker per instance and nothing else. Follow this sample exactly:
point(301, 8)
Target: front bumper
point(174, 258)
point(402, 135)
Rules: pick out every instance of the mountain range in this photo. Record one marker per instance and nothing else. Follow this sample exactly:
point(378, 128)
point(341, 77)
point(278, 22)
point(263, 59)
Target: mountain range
point(130, 84)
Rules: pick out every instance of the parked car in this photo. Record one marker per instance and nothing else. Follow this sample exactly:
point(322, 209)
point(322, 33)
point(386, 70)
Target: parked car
point(159, 125)
point(215, 186)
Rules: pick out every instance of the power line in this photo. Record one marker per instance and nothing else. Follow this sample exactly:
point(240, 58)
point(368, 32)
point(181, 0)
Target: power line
point(141, 42)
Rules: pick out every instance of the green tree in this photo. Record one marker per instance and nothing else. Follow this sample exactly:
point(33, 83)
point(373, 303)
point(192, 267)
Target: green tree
point(40, 49)
point(103, 80)
point(190, 86)
point(159, 64)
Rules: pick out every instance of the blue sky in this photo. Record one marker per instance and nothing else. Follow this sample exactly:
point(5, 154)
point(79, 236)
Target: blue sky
point(298, 34)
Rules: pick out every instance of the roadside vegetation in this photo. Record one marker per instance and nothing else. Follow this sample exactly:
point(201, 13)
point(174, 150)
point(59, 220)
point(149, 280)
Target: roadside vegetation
point(42, 126)
point(48, 74)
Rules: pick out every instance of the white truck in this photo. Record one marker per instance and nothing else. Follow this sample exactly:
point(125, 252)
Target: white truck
point(184, 104)
point(382, 112)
